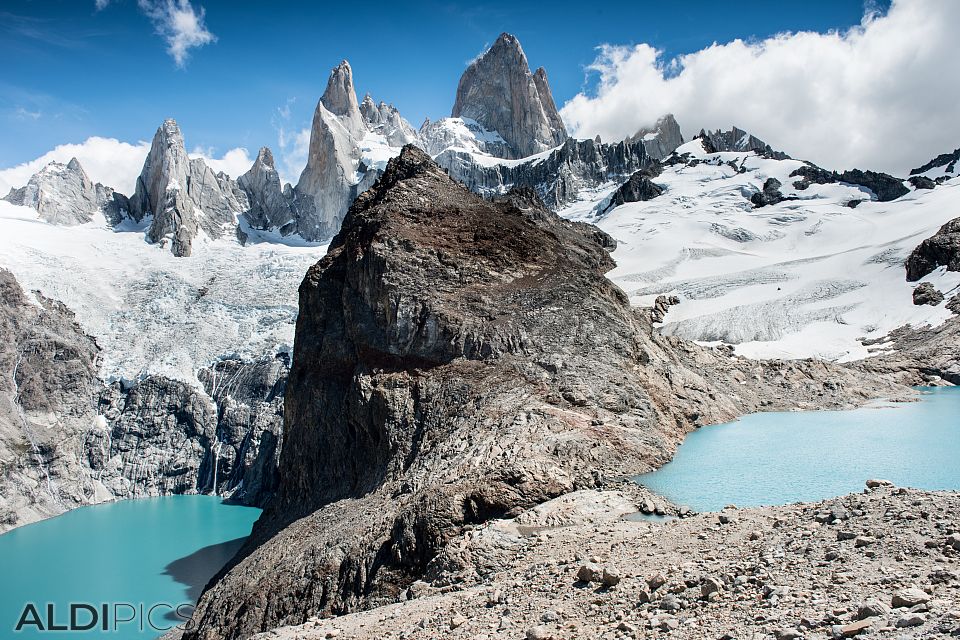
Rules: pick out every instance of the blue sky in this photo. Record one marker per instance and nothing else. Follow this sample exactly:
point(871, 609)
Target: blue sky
point(73, 71)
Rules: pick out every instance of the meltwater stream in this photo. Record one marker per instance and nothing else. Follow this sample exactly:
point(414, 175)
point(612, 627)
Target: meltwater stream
point(154, 552)
point(802, 456)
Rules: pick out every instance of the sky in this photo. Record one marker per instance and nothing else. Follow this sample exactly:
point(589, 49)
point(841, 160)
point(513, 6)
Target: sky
point(238, 75)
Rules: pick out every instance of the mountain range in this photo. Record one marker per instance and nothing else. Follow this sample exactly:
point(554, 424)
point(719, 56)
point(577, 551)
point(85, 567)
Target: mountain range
point(493, 314)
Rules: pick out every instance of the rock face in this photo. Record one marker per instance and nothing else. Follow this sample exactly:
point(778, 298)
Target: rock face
point(638, 188)
point(67, 439)
point(333, 176)
point(340, 99)
point(183, 196)
point(557, 178)
point(661, 139)
point(458, 360)
point(269, 206)
point(63, 194)
point(941, 249)
point(498, 91)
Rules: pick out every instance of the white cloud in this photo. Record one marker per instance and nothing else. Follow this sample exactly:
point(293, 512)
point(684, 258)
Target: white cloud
point(180, 25)
point(101, 4)
point(106, 160)
point(882, 95)
point(234, 162)
point(116, 164)
point(292, 153)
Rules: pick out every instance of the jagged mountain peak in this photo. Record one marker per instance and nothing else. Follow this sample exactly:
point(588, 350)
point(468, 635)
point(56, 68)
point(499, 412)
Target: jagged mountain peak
point(498, 91)
point(340, 99)
point(265, 158)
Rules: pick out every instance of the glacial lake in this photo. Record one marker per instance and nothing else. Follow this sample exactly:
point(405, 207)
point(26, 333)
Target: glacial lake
point(150, 551)
point(804, 456)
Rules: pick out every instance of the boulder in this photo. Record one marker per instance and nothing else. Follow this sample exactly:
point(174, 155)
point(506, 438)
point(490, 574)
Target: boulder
point(926, 293)
point(939, 250)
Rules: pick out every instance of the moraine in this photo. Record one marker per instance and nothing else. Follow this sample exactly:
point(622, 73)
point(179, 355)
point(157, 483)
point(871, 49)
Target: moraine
point(784, 457)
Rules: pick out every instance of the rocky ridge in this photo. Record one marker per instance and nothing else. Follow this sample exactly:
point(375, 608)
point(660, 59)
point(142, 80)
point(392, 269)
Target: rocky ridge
point(439, 383)
point(63, 194)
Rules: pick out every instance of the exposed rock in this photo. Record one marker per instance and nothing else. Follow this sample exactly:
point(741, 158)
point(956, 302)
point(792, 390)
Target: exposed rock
point(638, 188)
point(926, 293)
point(814, 598)
point(63, 194)
point(460, 360)
point(67, 440)
point(661, 306)
point(498, 91)
point(909, 597)
point(920, 356)
point(946, 160)
point(769, 195)
point(559, 177)
point(340, 99)
point(922, 182)
point(270, 207)
point(942, 249)
point(183, 196)
point(385, 120)
point(736, 140)
point(661, 139)
point(885, 187)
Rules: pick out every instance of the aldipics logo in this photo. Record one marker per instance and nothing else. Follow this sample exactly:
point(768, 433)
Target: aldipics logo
point(111, 617)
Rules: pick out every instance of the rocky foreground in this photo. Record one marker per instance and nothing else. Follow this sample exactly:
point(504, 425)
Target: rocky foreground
point(884, 563)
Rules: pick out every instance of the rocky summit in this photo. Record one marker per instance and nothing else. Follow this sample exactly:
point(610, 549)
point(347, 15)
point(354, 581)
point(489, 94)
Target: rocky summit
point(182, 197)
point(460, 360)
point(498, 91)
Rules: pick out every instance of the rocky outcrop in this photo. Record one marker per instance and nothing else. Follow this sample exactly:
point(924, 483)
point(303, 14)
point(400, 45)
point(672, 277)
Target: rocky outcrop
point(919, 355)
point(926, 293)
point(942, 249)
point(770, 194)
point(67, 439)
point(460, 360)
point(183, 197)
point(270, 207)
point(884, 186)
point(661, 139)
point(638, 188)
point(498, 91)
point(385, 120)
point(63, 194)
point(737, 140)
point(945, 164)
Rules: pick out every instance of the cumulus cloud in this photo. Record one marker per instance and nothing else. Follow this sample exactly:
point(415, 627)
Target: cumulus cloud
point(106, 160)
point(881, 95)
point(116, 164)
point(179, 24)
point(234, 162)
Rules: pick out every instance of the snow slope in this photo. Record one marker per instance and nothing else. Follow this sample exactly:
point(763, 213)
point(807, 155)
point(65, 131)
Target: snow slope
point(807, 277)
point(150, 311)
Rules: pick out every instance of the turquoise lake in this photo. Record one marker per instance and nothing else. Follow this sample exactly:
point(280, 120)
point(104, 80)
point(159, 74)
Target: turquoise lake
point(152, 551)
point(780, 458)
